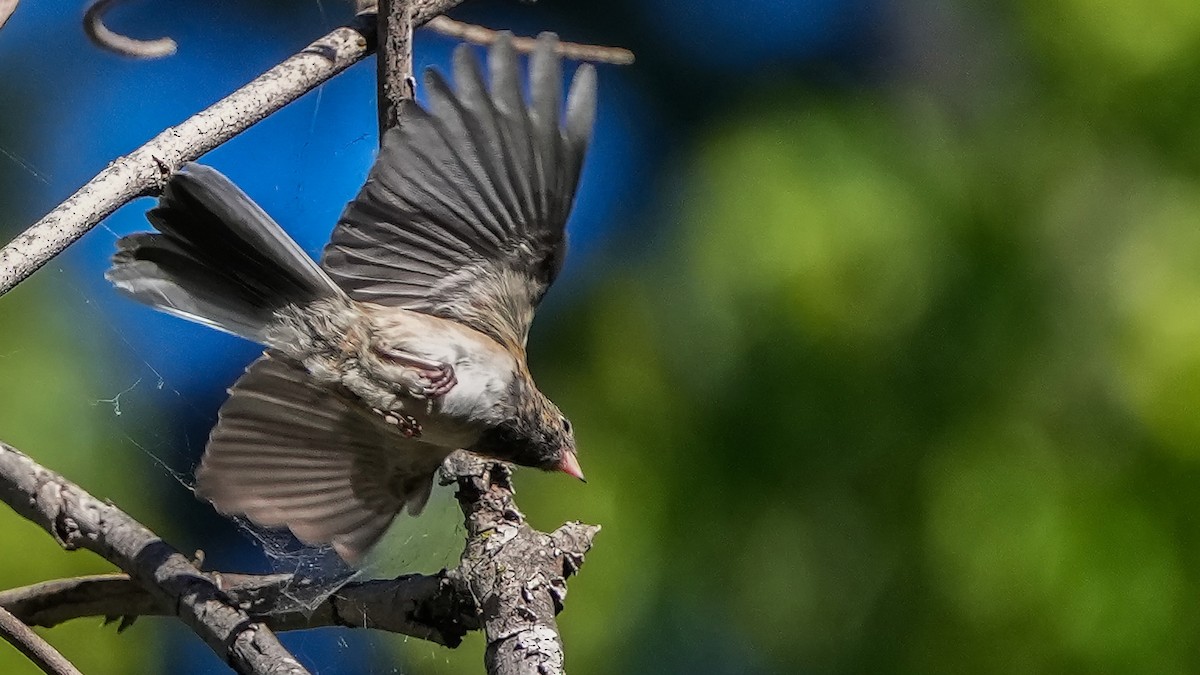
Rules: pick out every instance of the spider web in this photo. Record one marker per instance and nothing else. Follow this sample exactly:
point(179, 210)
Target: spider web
point(424, 544)
point(133, 397)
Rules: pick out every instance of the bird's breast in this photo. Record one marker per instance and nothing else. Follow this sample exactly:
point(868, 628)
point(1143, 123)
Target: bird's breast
point(484, 371)
point(459, 416)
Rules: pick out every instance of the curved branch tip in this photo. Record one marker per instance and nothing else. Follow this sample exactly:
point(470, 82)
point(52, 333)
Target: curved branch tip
point(105, 38)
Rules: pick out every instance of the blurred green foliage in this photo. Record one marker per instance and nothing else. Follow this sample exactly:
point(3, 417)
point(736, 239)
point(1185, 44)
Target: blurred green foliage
point(47, 410)
point(909, 381)
point(911, 385)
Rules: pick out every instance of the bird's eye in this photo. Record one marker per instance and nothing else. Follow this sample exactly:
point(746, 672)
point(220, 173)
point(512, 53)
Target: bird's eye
point(566, 425)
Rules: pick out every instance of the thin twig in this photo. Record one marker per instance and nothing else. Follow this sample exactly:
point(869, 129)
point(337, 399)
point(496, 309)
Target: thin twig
point(7, 7)
point(78, 520)
point(394, 60)
point(145, 170)
point(36, 649)
point(104, 37)
point(482, 35)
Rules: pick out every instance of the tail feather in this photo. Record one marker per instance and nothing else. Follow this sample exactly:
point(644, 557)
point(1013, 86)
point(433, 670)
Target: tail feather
point(218, 258)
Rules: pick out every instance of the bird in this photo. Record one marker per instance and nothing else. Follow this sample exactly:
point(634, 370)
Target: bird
point(407, 341)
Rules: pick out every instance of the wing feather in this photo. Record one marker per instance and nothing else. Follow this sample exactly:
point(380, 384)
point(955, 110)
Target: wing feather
point(480, 117)
point(288, 452)
point(464, 213)
point(462, 136)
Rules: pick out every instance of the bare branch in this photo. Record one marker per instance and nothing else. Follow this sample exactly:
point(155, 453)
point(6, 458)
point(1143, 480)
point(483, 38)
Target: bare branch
point(53, 602)
point(77, 520)
point(433, 607)
point(481, 35)
point(37, 650)
point(105, 38)
point(394, 60)
point(7, 7)
point(145, 170)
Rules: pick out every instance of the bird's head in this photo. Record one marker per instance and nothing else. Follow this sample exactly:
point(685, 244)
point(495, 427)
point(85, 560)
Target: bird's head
point(535, 434)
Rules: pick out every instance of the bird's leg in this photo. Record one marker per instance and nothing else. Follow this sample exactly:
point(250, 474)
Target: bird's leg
point(430, 379)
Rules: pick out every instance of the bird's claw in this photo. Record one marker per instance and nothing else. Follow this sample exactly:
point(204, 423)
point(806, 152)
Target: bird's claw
point(407, 424)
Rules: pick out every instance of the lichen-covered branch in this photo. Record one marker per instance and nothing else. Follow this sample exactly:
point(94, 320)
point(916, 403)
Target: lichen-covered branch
point(430, 607)
point(517, 574)
point(394, 60)
point(511, 581)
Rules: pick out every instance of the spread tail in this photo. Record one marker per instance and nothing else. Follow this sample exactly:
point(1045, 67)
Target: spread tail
point(217, 259)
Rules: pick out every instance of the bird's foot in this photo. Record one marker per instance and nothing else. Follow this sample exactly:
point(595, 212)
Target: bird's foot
point(435, 382)
point(407, 424)
point(425, 378)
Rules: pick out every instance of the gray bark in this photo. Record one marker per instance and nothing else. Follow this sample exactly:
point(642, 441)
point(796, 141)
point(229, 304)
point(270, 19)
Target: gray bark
point(517, 574)
point(37, 650)
point(512, 579)
point(430, 607)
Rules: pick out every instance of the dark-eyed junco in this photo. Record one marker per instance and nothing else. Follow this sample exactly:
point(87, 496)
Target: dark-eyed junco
point(408, 340)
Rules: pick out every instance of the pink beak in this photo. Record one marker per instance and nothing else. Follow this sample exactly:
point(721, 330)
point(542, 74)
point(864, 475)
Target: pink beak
point(569, 464)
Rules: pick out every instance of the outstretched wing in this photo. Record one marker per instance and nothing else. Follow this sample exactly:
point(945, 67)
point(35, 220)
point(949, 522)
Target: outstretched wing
point(464, 212)
point(288, 452)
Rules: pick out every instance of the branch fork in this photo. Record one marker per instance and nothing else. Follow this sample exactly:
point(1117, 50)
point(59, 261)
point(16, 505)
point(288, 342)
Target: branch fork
point(516, 574)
